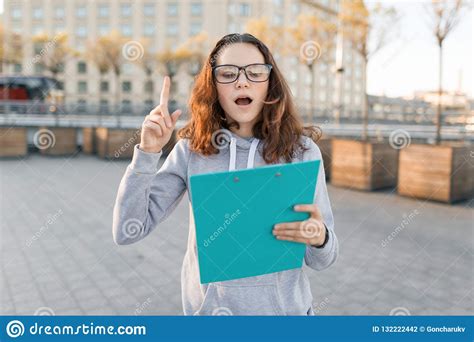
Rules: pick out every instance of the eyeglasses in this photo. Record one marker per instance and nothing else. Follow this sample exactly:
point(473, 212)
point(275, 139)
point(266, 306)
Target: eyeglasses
point(228, 73)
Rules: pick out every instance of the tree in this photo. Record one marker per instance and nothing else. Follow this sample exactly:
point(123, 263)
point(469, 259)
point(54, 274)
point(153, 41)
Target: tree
point(146, 60)
point(273, 36)
point(106, 52)
point(10, 48)
point(313, 39)
point(52, 52)
point(445, 16)
point(363, 26)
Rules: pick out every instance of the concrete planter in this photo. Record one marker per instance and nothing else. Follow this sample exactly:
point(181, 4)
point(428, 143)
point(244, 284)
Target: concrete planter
point(441, 173)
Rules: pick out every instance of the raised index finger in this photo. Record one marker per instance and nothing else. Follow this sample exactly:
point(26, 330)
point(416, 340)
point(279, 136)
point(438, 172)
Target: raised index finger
point(165, 92)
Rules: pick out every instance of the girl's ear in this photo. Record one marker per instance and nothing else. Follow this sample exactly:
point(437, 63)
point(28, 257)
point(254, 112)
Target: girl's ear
point(314, 132)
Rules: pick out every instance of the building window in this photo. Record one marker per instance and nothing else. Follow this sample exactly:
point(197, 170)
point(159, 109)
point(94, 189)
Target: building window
point(127, 68)
point(126, 10)
point(104, 86)
point(149, 10)
point(172, 29)
point(16, 13)
point(59, 12)
point(38, 69)
point(17, 68)
point(232, 9)
point(126, 30)
point(196, 8)
point(172, 9)
point(126, 86)
point(37, 29)
point(58, 28)
point(103, 10)
point(278, 20)
point(149, 29)
point(82, 87)
point(322, 81)
point(322, 96)
point(244, 10)
point(81, 12)
point(195, 28)
point(37, 13)
point(81, 67)
point(81, 31)
point(16, 27)
point(104, 29)
point(295, 8)
point(149, 87)
point(347, 99)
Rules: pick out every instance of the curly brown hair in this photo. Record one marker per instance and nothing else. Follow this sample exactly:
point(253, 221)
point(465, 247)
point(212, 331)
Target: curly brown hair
point(279, 125)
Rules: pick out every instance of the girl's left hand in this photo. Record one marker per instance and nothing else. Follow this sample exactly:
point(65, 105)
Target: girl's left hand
point(311, 231)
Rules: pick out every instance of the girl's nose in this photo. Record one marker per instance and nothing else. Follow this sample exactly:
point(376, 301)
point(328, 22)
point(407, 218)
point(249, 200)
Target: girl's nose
point(242, 81)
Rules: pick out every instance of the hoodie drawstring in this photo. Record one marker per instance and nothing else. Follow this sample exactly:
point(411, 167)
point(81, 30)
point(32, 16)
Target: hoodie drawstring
point(233, 153)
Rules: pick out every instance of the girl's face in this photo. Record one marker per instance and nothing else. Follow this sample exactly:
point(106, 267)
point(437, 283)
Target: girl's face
point(241, 54)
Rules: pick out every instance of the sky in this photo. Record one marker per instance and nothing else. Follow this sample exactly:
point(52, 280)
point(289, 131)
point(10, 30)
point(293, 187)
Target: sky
point(410, 62)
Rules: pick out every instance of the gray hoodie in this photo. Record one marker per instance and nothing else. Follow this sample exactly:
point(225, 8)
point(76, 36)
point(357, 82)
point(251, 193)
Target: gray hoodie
point(148, 195)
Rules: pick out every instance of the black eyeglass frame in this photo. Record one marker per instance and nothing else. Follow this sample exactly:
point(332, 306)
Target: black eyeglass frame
point(244, 68)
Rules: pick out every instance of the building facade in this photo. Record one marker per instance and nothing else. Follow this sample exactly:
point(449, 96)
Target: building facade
point(166, 24)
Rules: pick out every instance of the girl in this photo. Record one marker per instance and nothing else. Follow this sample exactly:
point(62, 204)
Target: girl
point(240, 95)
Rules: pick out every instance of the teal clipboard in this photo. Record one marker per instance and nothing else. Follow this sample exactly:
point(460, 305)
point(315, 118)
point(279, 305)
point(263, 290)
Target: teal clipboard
point(234, 214)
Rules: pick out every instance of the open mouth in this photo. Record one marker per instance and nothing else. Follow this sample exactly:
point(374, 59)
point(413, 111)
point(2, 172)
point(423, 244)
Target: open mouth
point(243, 101)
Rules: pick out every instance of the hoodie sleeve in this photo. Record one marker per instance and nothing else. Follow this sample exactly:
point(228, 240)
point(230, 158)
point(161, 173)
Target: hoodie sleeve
point(321, 258)
point(147, 195)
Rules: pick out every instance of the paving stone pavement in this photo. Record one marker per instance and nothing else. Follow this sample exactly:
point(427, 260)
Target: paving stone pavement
point(57, 252)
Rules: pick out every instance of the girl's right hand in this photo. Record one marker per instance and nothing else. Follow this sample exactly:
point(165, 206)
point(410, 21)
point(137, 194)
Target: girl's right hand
point(158, 126)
